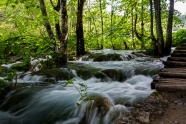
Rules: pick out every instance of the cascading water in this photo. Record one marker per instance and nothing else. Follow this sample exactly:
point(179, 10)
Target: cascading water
point(114, 87)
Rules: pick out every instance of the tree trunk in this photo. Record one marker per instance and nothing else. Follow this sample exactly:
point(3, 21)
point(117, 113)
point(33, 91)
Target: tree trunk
point(96, 34)
point(142, 25)
point(47, 24)
point(159, 31)
point(57, 25)
point(111, 23)
point(79, 30)
point(63, 51)
point(101, 12)
point(132, 20)
point(135, 29)
point(169, 29)
point(142, 19)
point(90, 19)
point(154, 42)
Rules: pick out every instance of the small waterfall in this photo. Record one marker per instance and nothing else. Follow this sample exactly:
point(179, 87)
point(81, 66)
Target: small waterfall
point(29, 78)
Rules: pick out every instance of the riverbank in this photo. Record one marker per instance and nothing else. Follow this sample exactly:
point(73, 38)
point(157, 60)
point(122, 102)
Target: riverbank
point(157, 109)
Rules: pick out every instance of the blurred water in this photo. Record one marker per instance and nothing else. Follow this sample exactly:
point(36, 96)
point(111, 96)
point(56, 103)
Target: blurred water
point(56, 104)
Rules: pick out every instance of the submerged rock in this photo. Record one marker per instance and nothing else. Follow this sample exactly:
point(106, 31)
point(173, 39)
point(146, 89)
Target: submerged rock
point(98, 107)
point(102, 76)
point(114, 74)
point(50, 80)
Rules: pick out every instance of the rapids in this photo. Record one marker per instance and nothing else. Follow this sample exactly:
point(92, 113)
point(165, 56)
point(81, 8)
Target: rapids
point(123, 85)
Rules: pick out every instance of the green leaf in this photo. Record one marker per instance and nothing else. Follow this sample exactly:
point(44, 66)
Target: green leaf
point(69, 82)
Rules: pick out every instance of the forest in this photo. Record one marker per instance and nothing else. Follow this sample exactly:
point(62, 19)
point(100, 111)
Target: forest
point(35, 28)
point(82, 61)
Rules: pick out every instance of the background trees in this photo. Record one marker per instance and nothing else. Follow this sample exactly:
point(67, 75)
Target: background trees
point(35, 28)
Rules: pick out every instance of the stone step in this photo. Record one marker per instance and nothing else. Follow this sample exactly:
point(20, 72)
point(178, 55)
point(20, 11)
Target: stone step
point(173, 64)
point(176, 59)
point(170, 87)
point(178, 54)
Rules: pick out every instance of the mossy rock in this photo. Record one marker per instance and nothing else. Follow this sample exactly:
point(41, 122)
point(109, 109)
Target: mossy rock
point(3, 71)
point(21, 67)
point(84, 72)
point(4, 89)
point(91, 56)
point(15, 102)
point(50, 80)
point(150, 71)
point(118, 75)
point(57, 73)
point(102, 76)
point(108, 57)
point(2, 85)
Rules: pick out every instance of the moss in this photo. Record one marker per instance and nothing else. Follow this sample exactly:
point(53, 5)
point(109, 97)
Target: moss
point(118, 75)
point(50, 80)
point(84, 72)
point(156, 93)
point(108, 57)
point(102, 76)
point(20, 67)
point(2, 85)
point(4, 89)
point(57, 73)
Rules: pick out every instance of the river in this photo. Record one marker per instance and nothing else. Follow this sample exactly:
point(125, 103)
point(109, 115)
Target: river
point(115, 87)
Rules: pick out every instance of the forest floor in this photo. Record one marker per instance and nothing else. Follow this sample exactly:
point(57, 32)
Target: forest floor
point(157, 110)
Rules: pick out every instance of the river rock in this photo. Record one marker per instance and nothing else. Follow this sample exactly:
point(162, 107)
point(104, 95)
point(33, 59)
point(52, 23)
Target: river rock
point(57, 73)
point(144, 111)
point(143, 117)
point(108, 57)
point(118, 75)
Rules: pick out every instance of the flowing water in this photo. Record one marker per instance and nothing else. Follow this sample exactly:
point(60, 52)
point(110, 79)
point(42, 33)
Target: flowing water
point(114, 89)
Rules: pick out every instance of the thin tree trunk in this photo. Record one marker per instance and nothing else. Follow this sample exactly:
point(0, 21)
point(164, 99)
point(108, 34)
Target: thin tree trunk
point(159, 31)
point(47, 24)
point(101, 12)
point(132, 20)
point(169, 29)
point(90, 19)
point(57, 25)
point(151, 29)
point(111, 24)
point(64, 39)
point(142, 25)
point(139, 37)
point(79, 29)
point(96, 33)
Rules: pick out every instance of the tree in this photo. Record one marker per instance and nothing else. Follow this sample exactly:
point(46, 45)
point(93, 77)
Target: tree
point(154, 42)
point(169, 29)
point(101, 12)
point(64, 37)
point(61, 59)
point(47, 24)
point(80, 45)
point(159, 31)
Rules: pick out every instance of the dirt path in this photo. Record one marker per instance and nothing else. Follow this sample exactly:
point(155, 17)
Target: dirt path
point(175, 113)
